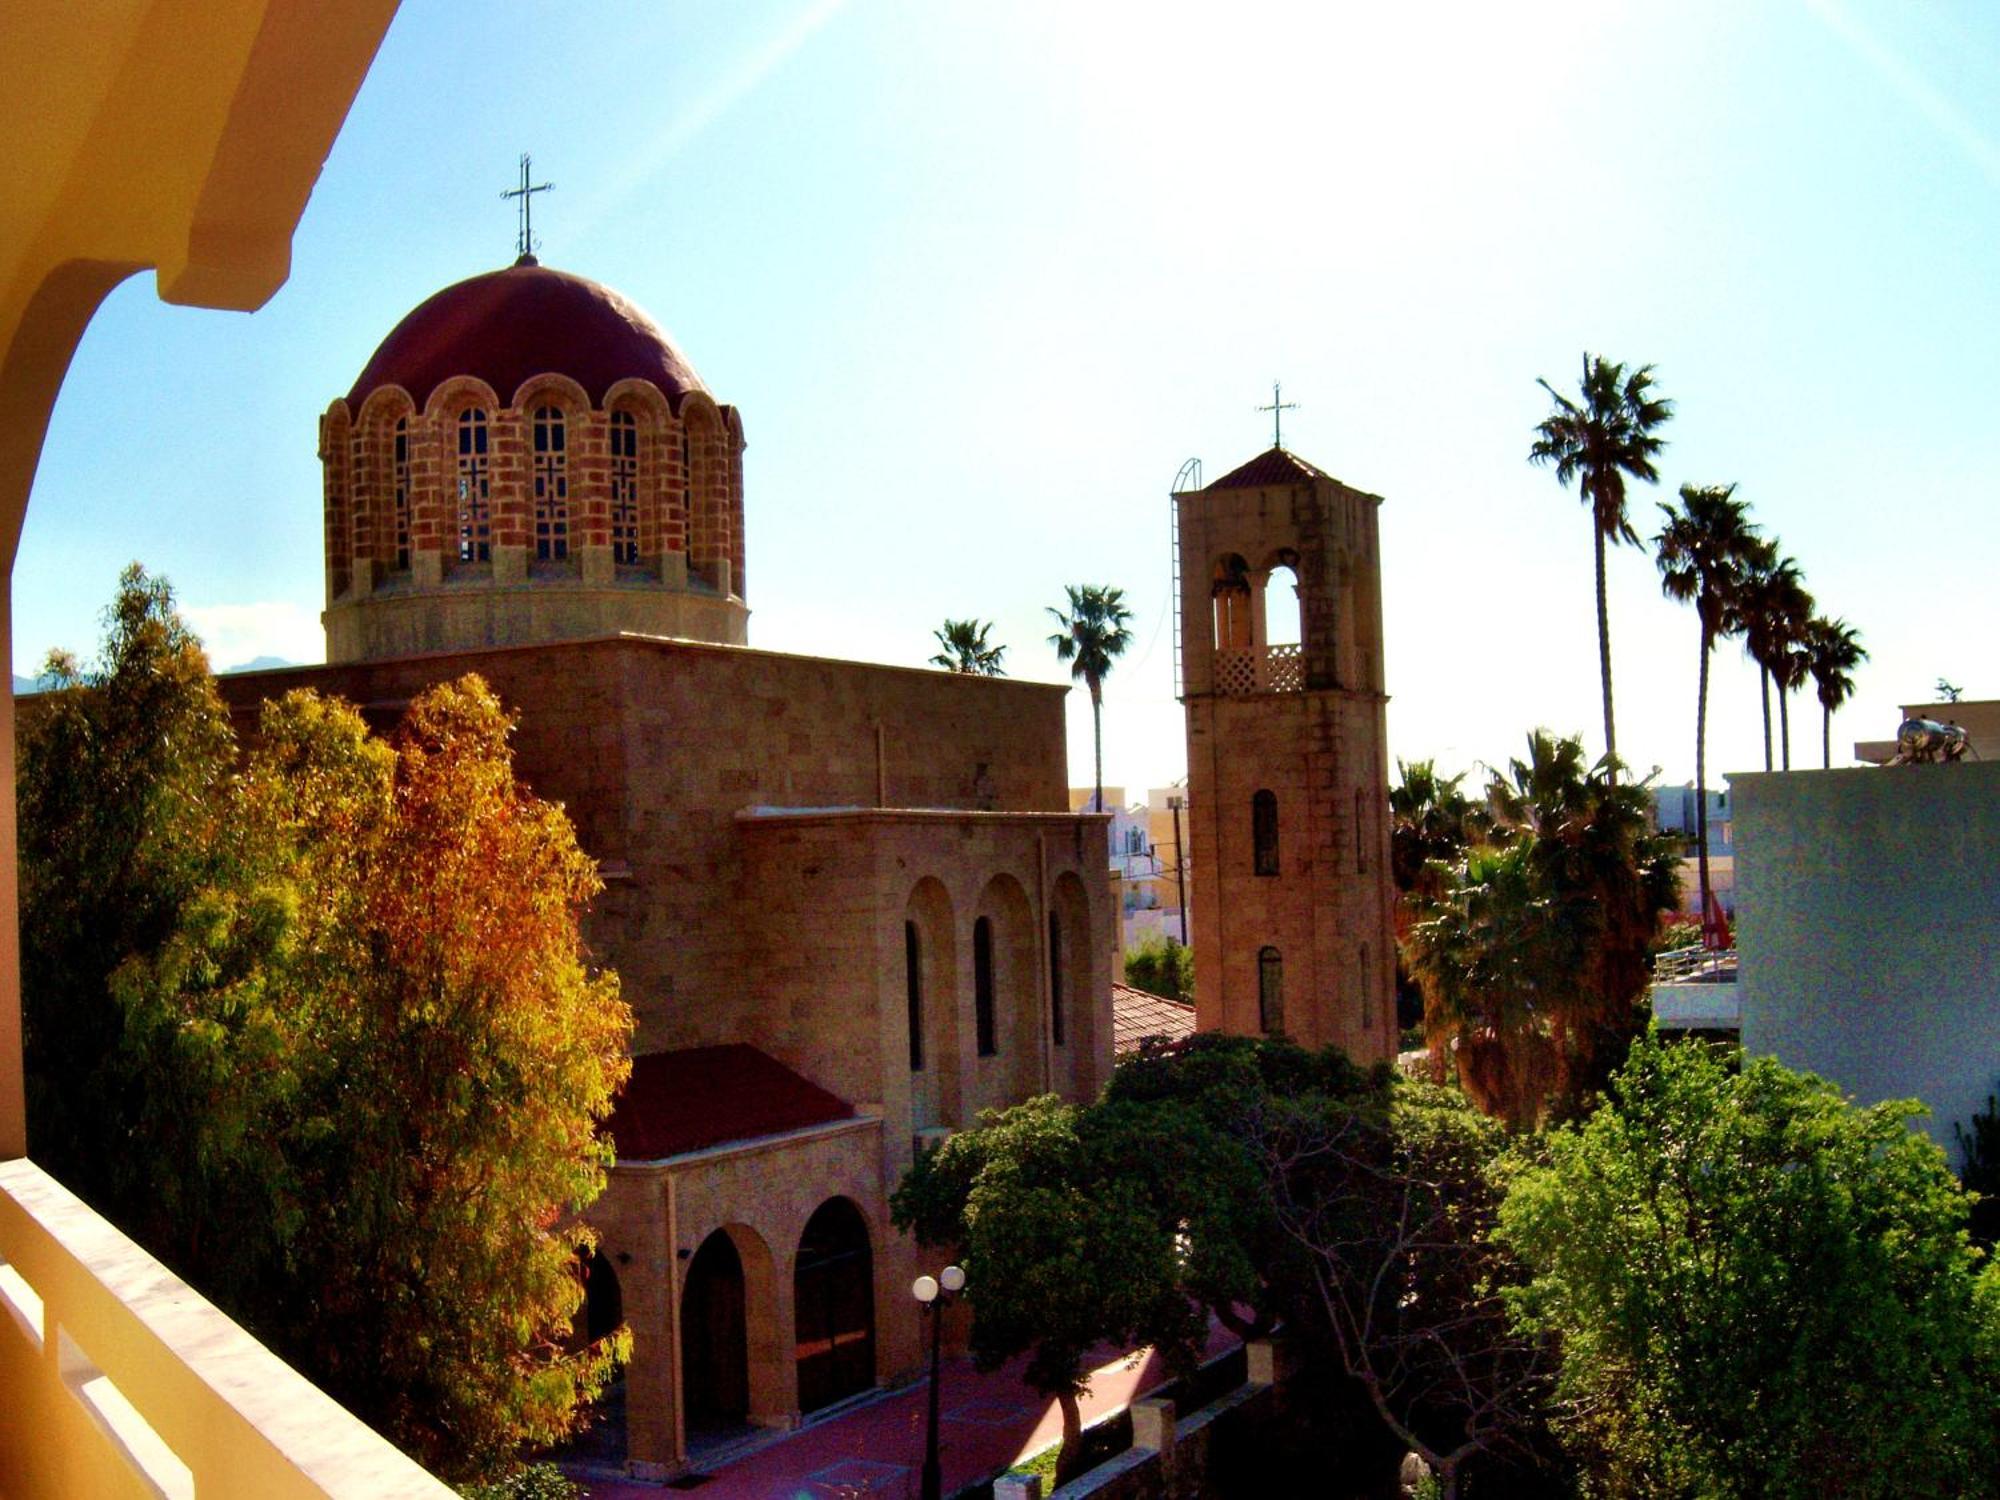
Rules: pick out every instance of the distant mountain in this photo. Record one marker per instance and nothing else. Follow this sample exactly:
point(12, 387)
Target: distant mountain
point(259, 664)
point(28, 684)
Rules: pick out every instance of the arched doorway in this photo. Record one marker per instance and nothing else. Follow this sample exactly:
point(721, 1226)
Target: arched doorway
point(715, 1357)
point(833, 1298)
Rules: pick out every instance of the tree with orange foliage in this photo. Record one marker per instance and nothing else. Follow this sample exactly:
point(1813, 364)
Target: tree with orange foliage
point(316, 1026)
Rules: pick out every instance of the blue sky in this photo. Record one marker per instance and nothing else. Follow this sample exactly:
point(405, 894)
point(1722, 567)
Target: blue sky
point(981, 277)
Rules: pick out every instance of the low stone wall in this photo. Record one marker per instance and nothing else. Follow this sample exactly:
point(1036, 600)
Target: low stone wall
point(1170, 1455)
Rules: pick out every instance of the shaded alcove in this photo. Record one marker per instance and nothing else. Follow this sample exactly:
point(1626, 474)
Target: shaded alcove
point(833, 1301)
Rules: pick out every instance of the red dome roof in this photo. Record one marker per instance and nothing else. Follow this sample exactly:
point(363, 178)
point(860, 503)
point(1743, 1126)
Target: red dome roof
point(526, 320)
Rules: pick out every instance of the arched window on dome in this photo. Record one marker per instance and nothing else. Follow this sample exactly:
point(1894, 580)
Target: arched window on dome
point(551, 485)
point(399, 493)
point(624, 488)
point(475, 488)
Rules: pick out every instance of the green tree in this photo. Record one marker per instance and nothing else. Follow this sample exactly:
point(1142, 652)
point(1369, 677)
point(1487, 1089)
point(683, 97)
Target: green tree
point(1599, 440)
point(1160, 966)
point(1833, 651)
point(1705, 551)
point(1775, 608)
point(1061, 1247)
point(1760, 1290)
point(316, 1029)
point(1092, 634)
point(1534, 963)
point(962, 648)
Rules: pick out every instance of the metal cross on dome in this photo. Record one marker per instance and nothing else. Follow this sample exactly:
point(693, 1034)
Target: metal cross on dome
point(1278, 407)
point(524, 240)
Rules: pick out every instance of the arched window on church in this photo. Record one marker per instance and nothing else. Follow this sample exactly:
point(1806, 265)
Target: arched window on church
point(1270, 991)
point(625, 489)
point(551, 485)
point(1264, 833)
point(982, 986)
point(400, 494)
point(1284, 624)
point(913, 977)
point(1055, 980)
point(475, 488)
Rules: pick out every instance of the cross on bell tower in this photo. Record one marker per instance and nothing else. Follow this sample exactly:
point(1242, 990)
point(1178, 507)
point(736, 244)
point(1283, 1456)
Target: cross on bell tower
point(1278, 407)
point(524, 240)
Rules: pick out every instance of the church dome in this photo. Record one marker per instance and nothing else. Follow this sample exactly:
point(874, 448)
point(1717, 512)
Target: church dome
point(527, 320)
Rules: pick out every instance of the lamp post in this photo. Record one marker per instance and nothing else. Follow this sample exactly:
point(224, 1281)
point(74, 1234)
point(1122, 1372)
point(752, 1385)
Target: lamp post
point(929, 1290)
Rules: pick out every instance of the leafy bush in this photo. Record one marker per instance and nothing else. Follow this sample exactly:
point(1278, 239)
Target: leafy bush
point(529, 1482)
point(1759, 1289)
point(1161, 966)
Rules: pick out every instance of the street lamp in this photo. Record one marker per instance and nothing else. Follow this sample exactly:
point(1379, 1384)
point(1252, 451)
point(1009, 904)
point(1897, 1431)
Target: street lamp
point(930, 1292)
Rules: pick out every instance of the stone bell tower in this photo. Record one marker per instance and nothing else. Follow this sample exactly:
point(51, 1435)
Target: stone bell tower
point(1287, 757)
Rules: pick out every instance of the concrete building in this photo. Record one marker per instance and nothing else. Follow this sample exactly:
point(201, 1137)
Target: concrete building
point(1979, 718)
point(1281, 654)
point(848, 903)
point(1869, 937)
point(1148, 893)
point(1674, 812)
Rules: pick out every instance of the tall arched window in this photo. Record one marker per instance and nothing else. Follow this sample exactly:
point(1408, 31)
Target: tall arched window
point(400, 493)
point(1270, 990)
point(982, 985)
point(1264, 833)
point(913, 977)
point(1055, 979)
point(1231, 590)
point(475, 489)
point(624, 487)
point(551, 485)
point(1367, 990)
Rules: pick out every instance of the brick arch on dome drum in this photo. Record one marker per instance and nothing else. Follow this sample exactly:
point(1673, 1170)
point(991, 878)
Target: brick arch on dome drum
point(930, 1006)
point(711, 545)
point(733, 454)
point(644, 471)
point(336, 428)
point(558, 491)
point(380, 470)
point(455, 516)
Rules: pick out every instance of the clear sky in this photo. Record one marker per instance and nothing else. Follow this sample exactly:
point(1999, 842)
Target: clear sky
point(980, 278)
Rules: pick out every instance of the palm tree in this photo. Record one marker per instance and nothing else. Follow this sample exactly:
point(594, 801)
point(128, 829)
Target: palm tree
point(1092, 634)
point(1598, 441)
point(1775, 608)
point(1833, 651)
point(1706, 550)
point(1534, 958)
point(965, 649)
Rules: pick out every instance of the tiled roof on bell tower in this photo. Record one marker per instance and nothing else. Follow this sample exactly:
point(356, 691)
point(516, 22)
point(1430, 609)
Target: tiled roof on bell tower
point(1272, 467)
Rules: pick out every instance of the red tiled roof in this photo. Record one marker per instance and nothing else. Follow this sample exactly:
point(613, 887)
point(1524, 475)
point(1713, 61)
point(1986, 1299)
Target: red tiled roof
point(1274, 467)
point(526, 320)
point(1138, 1014)
point(703, 1096)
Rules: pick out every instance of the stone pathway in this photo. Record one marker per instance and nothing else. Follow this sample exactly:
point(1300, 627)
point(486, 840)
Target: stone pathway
point(876, 1451)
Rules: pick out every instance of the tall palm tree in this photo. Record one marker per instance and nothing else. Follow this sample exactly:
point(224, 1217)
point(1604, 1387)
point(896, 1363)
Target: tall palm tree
point(1598, 441)
point(1092, 634)
point(1833, 651)
point(1775, 608)
point(1705, 551)
point(965, 649)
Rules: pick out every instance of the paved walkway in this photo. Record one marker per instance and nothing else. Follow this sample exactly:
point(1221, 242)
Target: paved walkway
point(876, 1451)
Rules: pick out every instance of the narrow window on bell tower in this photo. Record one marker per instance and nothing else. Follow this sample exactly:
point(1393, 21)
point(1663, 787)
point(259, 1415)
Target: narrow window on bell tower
point(475, 489)
point(913, 977)
point(551, 486)
point(1270, 991)
point(1264, 833)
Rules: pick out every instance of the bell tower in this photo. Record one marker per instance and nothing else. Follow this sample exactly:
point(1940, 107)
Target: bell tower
point(1281, 672)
